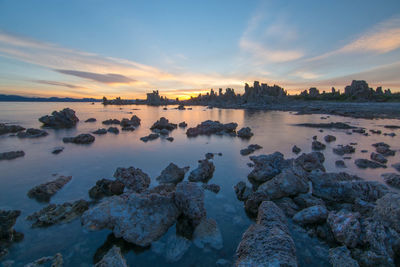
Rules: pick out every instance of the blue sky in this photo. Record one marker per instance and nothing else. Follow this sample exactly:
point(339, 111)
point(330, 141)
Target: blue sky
point(126, 48)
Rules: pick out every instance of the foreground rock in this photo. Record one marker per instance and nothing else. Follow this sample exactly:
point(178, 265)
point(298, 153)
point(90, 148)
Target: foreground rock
point(32, 133)
point(133, 178)
point(267, 242)
point(172, 174)
point(134, 121)
point(5, 128)
point(7, 233)
point(80, 139)
point(245, 132)
point(211, 187)
point(113, 258)
point(212, 127)
point(65, 118)
point(384, 149)
point(366, 163)
point(296, 149)
point(189, 198)
point(163, 123)
point(106, 188)
point(341, 257)
point(203, 172)
point(316, 145)
point(250, 149)
point(392, 179)
point(11, 155)
point(345, 227)
point(53, 261)
point(58, 213)
point(100, 131)
point(45, 191)
point(266, 167)
point(378, 158)
point(242, 191)
point(311, 215)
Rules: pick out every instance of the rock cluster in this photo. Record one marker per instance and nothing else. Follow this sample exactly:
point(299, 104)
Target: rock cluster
point(106, 188)
point(65, 118)
point(212, 127)
point(113, 258)
point(45, 191)
point(163, 124)
point(6, 128)
point(32, 133)
point(250, 149)
point(245, 132)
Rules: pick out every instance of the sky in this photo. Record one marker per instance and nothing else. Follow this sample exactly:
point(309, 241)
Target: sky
point(95, 48)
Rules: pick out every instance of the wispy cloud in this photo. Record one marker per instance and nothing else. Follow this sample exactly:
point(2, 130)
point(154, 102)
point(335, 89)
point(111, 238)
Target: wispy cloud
point(55, 83)
point(108, 78)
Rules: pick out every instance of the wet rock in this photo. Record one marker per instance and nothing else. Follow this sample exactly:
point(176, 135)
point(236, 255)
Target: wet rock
point(268, 242)
point(172, 174)
point(242, 191)
point(311, 215)
point(111, 121)
point(57, 150)
point(341, 150)
point(113, 258)
point(392, 179)
point(253, 202)
point(182, 124)
point(100, 131)
point(91, 120)
point(392, 126)
point(390, 134)
point(207, 234)
point(340, 164)
point(359, 130)
point(378, 158)
point(133, 178)
point(137, 218)
point(5, 128)
point(176, 248)
point(134, 121)
point(311, 162)
point(164, 132)
point(32, 133)
point(203, 172)
point(106, 188)
point(55, 261)
point(387, 209)
point(341, 257)
point(80, 139)
point(307, 200)
point(329, 138)
point(316, 145)
point(345, 227)
point(150, 137)
point(11, 155)
point(211, 127)
point(314, 137)
point(189, 198)
point(58, 213)
point(250, 149)
point(366, 163)
point(296, 149)
point(128, 128)
point(211, 187)
point(266, 167)
point(384, 149)
point(170, 139)
point(65, 118)
point(331, 125)
point(163, 123)
point(113, 130)
point(45, 191)
point(245, 132)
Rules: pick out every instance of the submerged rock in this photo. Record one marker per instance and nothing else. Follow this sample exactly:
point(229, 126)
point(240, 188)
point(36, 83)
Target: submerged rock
point(100, 131)
point(11, 155)
point(150, 137)
point(203, 172)
point(172, 174)
point(133, 178)
point(55, 261)
point(392, 179)
point(163, 123)
point(242, 191)
point(57, 150)
point(45, 191)
point(65, 118)
point(111, 121)
point(341, 150)
point(176, 248)
point(250, 149)
point(316, 145)
point(366, 163)
point(32, 133)
point(211, 127)
point(207, 234)
point(113, 130)
point(113, 258)
point(189, 198)
point(106, 188)
point(5, 128)
point(211, 187)
point(296, 149)
point(245, 132)
point(7, 232)
point(80, 139)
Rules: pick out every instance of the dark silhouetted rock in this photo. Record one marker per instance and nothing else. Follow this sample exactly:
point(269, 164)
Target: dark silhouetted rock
point(172, 174)
point(311, 215)
point(65, 118)
point(203, 172)
point(5, 128)
point(392, 179)
point(32, 133)
point(100, 131)
point(91, 120)
point(113, 130)
point(150, 137)
point(11, 155)
point(133, 178)
point(45, 191)
point(250, 149)
point(245, 132)
point(106, 188)
point(57, 150)
point(331, 125)
point(366, 163)
point(111, 121)
point(341, 150)
point(211, 187)
point(182, 124)
point(212, 127)
point(316, 145)
point(80, 139)
point(296, 149)
point(266, 167)
point(329, 138)
point(378, 158)
point(163, 123)
point(134, 121)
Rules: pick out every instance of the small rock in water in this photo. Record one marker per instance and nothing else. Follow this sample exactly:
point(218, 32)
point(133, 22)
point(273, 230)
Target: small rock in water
point(182, 124)
point(4, 128)
point(378, 158)
point(150, 137)
point(32, 133)
point(100, 131)
point(390, 134)
point(364, 151)
point(65, 118)
point(329, 138)
point(203, 172)
point(341, 150)
point(296, 149)
point(163, 123)
point(212, 187)
point(245, 132)
point(172, 174)
point(170, 139)
point(365, 163)
point(11, 155)
point(375, 131)
point(314, 137)
point(91, 120)
point(176, 248)
point(316, 145)
point(209, 156)
point(113, 130)
point(133, 178)
point(250, 149)
point(340, 164)
point(57, 150)
point(45, 191)
point(111, 121)
point(105, 187)
point(80, 139)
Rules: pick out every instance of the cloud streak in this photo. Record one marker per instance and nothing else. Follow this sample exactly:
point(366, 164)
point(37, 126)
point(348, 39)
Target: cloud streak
point(55, 83)
point(109, 78)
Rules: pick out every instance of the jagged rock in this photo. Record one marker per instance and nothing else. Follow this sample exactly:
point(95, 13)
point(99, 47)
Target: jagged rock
point(296, 149)
point(307, 200)
point(250, 149)
point(387, 209)
point(150, 137)
point(340, 164)
point(211, 127)
point(242, 191)
point(268, 242)
point(163, 123)
point(80, 139)
point(392, 179)
point(345, 227)
point(207, 234)
point(211, 187)
point(105, 187)
point(189, 198)
point(266, 167)
point(137, 218)
point(182, 124)
point(340, 257)
point(287, 205)
point(176, 247)
point(133, 122)
point(311, 215)
point(5, 128)
point(245, 132)
point(57, 150)
point(11, 155)
point(253, 202)
point(113, 130)
point(341, 150)
point(203, 172)
point(133, 178)
point(100, 131)
point(58, 213)
point(91, 120)
point(311, 161)
point(45, 191)
point(316, 145)
point(32, 133)
point(329, 138)
point(384, 149)
point(111, 121)
point(113, 258)
point(331, 125)
point(172, 174)
point(65, 118)
point(56, 261)
point(366, 163)
point(378, 158)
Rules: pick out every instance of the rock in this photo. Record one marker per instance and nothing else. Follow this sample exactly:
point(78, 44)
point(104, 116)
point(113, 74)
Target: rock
point(163, 123)
point(287, 205)
point(365, 163)
point(345, 227)
point(7, 232)
point(316, 145)
point(375, 131)
point(314, 137)
point(340, 164)
point(245, 132)
point(242, 191)
point(390, 134)
point(253, 202)
point(359, 130)
point(172, 174)
point(100, 131)
point(307, 200)
point(170, 139)
point(57, 150)
point(311, 215)
point(91, 120)
point(209, 155)
point(182, 124)
point(392, 126)
point(203, 172)
point(133, 122)
point(176, 248)
point(387, 210)
point(133, 178)
point(266, 167)
point(32, 133)
point(392, 179)
point(80, 139)
point(268, 242)
point(211, 127)
point(250, 149)
point(106, 188)
point(11, 155)
point(340, 257)
point(331, 125)
point(189, 198)
point(65, 118)
point(329, 138)
point(5, 128)
point(296, 149)
point(45, 191)
point(150, 137)
point(385, 151)
point(128, 128)
point(341, 150)
point(378, 158)
point(113, 130)
point(58, 213)
point(56, 261)
point(211, 187)
point(111, 121)
point(311, 162)
point(223, 262)
point(113, 258)
point(181, 107)
point(396, 166)
point(137, 218)
point(207, 234)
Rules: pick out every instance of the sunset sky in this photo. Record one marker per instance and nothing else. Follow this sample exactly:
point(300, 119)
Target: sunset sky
point(95, 48)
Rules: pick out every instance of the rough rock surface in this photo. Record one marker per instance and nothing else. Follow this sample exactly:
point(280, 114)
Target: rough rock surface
point(266, 167)
point(311, 162)
point(242, 191)
point(366, 163)
point(340, 257)
point(32, 133)
point(113, 258)
point(133, 121)
point(308, 200)
point(203, 172)
point(392, 179)
point(378, 158)
point(245, 132)
point(45, 191)
point(106, 188)
point(176, 247)
point(316, 145)
point(133, 178)
point(7, 232)
point(250, 149)
point(311, 215)
point(55, 261)
point(11, 155)
point(296, 149)
point(100, 131)
point(189, 198)
point(207, 234)
point(172, 174)
point(341, 150)
point(211, 127)
point(6, 128)
point(387, 209)
point(113, 130)
point(329, 138)
point(111, 121)
point(211, 187)
point(65, 118)
point(80, 139)
point(345, 227)
point(150, 137)
point(163, 123)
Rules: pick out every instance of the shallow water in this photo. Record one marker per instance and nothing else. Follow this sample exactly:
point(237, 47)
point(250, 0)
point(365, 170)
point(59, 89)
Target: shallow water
point(88, 163)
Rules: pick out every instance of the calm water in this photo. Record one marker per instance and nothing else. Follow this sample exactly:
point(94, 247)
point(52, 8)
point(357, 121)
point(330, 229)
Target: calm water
point(89, 163)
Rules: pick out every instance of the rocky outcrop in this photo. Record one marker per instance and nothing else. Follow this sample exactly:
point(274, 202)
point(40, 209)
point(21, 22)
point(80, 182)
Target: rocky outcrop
point(111, 121)
point(172, 174)
point(113, 130)
point(387, 210)
point(203, 172)
point(6, 128)
point(310, 162)
point(189, 198)
point(212, 127)
point(268, 242)
point(211, 187)
point(308, 200)
point(106, 188)
point(296, 149)
point(163, 123)
point(133, 121)
point(366, 163)
point(345, 227)
point(207, 234)
point(311, 215)
point(392, 179)
point(32, 133)
point(242, 191)
point(11, 155)
point(80, 139)
point(378, 158)
point(341, 150)
point(65, 118)
point(266, 167)
point(150, 137)
point(45, 191)
point(250, 149)
point(245, 132)
point(133, 178)
point(113, 258)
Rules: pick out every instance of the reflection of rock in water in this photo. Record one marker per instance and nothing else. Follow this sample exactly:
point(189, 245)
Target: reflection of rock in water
point(119, 242)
